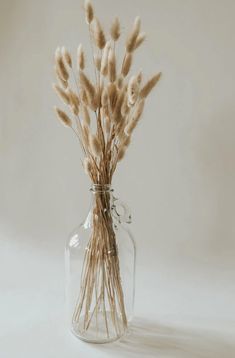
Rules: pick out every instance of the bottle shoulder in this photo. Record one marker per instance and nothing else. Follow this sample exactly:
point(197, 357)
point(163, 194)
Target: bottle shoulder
point(81, 234)
point(76, 236)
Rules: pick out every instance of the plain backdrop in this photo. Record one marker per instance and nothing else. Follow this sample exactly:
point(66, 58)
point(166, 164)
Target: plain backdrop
point(178, 179)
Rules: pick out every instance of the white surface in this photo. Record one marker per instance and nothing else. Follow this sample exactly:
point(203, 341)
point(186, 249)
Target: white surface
point(180, 316)
point(182, 198)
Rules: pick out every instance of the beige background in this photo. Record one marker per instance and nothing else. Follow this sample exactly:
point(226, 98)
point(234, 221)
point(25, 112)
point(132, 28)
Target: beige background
point(178, 177)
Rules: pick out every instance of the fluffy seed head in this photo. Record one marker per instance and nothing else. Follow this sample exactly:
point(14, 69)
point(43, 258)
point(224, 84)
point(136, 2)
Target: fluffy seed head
point(73, 99)
point(138, 110)
point(61, 68)
point(150, 85)
point(104, 60)
point(99, 35)
point(121, 153)
point(120, 81)
point(84, 97)
point(87, 165)
point(131, 40)
point(86, 116)
point(87, 85)
point(63, 117)
point(62, 82)
point(115, 29)
point(57, 53)
point(66, 57)
point(136, 117)
point(140, 39)
point(94, 102)
point(85, 135)
point(97, 62)
point(125, 109)
point(95, 145)
point(127, 64)
point(104, 98)
point(89, 11)
point(111, 66)
point(75, 110)
point(107, 125)
point(139, 77)
point(61, 93)
point(117, 116)
point(133, 90)
point(80, 57)
point(130, 127)
point(126, 141)
point(113, 94)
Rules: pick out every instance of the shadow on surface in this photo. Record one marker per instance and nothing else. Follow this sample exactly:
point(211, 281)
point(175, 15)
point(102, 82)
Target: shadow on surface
point(150, 339)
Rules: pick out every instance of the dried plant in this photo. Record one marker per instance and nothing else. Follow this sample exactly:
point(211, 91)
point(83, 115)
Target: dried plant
point(104, 112)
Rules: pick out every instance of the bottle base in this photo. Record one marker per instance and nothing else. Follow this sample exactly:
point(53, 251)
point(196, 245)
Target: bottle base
point(99, 331)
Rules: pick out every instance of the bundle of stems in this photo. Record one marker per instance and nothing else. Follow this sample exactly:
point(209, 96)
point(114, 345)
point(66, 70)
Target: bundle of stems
point(103, 114)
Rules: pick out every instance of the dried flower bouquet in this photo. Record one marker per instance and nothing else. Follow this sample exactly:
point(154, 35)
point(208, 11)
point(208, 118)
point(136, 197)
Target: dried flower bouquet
point(103, 115)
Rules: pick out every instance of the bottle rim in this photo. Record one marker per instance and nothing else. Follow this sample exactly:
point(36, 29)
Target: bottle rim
point(99, 188)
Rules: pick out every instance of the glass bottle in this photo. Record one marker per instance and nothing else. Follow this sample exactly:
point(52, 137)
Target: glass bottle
point(100, 270)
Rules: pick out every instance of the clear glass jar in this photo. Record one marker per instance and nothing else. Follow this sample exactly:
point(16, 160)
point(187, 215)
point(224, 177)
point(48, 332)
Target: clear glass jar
point(100, 270)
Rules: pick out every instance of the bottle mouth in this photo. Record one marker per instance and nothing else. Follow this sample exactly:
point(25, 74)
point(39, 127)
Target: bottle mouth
point(100, 188)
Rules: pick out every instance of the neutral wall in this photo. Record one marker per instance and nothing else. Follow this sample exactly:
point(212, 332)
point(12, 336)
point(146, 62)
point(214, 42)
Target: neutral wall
point(178, 176)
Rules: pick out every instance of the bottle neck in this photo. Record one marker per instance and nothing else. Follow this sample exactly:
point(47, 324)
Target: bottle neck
point(103, 202)
point(101, 189)
point(101, 196)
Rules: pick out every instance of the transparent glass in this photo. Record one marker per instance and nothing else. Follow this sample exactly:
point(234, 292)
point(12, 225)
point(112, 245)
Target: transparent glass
point(100, 270)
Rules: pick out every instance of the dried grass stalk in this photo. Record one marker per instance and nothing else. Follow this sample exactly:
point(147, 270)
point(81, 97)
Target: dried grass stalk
point(117, 116)
point(127, 64)
point(67, 57)
point(133, 90)
point(97, 60)
point(86, 136)
point(83, 96)
point(89, 11)
point(107, 125)
point(88, 86)
point(99, 35)
point(120, 81)
point(135, 119)
point(121, 153)
point(126, 141)
point(130, 127)
point(139, 110)
point(61, 94)
point(63, 117)
point(139, 77)
point(104, 98)
point(131, 40)
point(112, 66)
point(80, 58)
point(62, 82)
point(75, 110)
point(115, 29)
point(113, 94)
point(87, 164)
point(95, 145)
point(140, 39)
point(86, 116)
point(60, 66)
point(150, 85)
point(104, 60)
point(73, 99)
point(125, 109)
